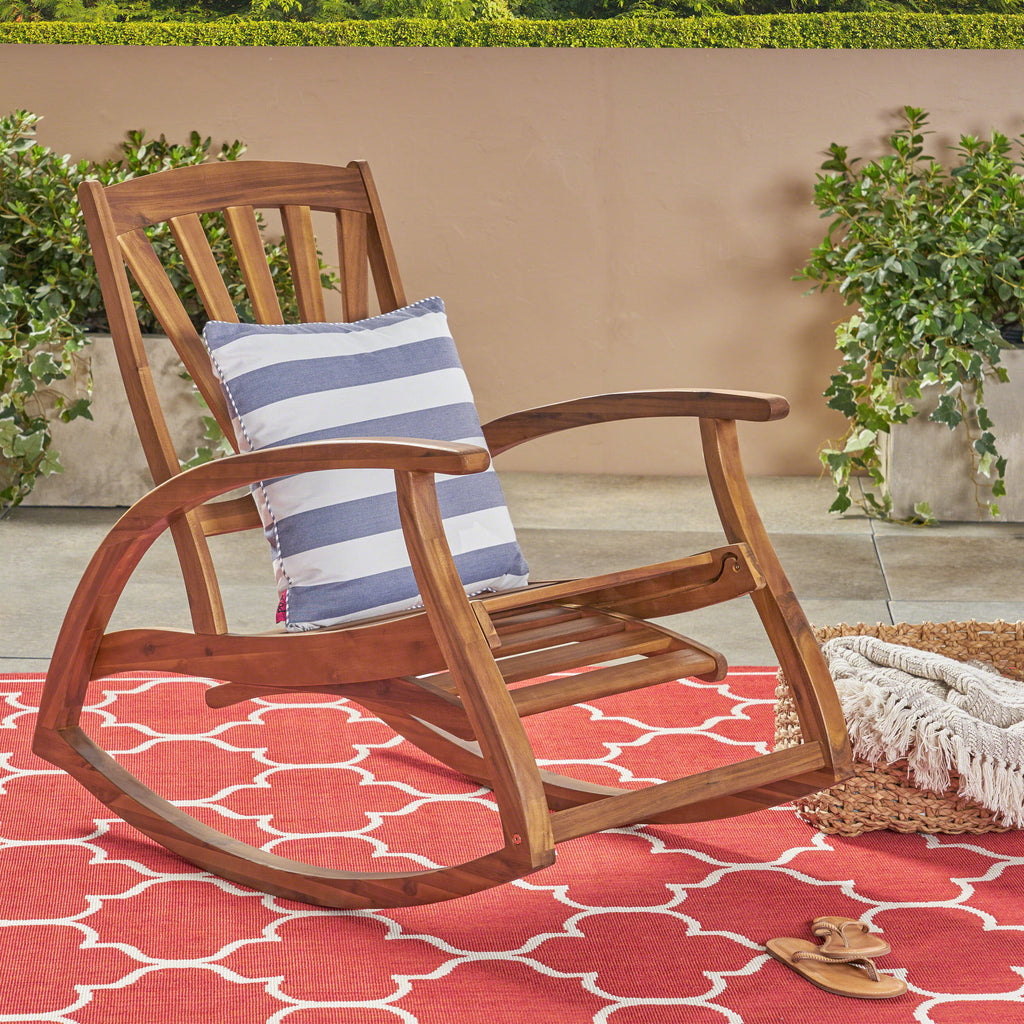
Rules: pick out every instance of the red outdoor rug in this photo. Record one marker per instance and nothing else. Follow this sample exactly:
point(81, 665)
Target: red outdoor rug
point(98, 925)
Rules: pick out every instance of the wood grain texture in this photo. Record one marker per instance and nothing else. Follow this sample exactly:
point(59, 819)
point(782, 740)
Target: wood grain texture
point(512, 768)
point(252, 259)
point(327, 658)
point(818, 707)
point(229, 516)
point(202, 265)
point(163, 300)
point(666, 588)
point(155, 198)
point(205, 602)
point(387, 280)
point(304, 262)
point(247, 865)
point(516, 428)
point(354, 264)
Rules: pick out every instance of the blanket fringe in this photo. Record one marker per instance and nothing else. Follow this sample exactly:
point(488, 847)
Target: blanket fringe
point(887, 726)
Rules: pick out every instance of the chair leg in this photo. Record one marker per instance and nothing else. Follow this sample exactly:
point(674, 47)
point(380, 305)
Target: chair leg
point(818, 707)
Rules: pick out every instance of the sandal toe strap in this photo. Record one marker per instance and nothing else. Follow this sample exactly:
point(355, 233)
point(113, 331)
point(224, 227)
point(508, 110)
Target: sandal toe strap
point(863, 962)
point(826, 929)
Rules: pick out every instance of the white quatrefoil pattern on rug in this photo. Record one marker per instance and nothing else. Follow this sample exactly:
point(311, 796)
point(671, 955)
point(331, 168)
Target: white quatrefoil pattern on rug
point(657, 924)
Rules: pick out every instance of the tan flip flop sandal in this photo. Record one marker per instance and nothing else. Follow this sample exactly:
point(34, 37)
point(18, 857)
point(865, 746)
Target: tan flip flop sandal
point(844, 935)
point(856, 978)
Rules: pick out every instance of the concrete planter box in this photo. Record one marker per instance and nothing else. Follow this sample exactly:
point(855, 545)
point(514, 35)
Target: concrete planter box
point(103, 461)
point(927, 462)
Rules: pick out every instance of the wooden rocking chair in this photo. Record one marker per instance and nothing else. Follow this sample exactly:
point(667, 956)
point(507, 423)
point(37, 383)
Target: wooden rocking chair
point(439, 676)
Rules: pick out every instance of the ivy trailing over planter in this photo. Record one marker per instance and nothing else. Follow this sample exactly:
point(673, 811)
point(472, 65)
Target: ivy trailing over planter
point(49, 295)
point(932, 257)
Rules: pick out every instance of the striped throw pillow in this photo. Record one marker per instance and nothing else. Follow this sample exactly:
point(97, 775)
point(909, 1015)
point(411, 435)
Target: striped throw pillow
point(335, 536)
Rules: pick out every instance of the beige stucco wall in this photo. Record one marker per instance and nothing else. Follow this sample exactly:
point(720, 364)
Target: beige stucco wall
point(595, 219)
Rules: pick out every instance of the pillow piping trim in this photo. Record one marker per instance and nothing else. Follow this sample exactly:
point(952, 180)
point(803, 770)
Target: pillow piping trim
point(330, 323)
point(252, 447)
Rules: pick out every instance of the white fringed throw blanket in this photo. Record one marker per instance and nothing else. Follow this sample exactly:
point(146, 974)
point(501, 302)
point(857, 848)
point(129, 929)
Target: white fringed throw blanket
point(939, 714)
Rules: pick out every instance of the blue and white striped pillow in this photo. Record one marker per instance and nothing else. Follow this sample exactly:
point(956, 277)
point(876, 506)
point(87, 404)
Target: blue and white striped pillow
point(336, 538)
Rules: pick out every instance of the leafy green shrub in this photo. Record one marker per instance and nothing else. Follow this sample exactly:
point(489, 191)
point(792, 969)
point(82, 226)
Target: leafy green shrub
point(834, 31)
point(40, 368)
point(932, 257)
point(49, 295)
point(42, 375)
point(458, 10)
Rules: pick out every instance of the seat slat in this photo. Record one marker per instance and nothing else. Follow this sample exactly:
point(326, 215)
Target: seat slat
point(355, 267)
point(252, 259)
point(605, 682)
point(557, 659)
point(732, 569)
point(195, 250)
point(586, 627)
point(509, 624)
point(624, 644)
point(305, 264)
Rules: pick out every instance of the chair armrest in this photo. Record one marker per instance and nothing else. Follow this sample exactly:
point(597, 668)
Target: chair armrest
point(195, 486)
point(509, 431)
point(134, 533)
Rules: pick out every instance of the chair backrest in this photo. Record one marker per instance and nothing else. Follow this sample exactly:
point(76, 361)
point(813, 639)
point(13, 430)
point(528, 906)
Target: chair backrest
point(117, 217)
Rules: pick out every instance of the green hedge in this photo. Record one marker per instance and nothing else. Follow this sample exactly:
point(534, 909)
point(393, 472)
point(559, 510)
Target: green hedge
point(768, 31)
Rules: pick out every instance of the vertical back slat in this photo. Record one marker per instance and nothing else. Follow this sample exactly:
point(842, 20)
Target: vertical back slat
point(252, 258)
point(148, 271)
point(193, 552)
point(305, 264)
point(195, 250)
point(355, 270)
point(386, 279)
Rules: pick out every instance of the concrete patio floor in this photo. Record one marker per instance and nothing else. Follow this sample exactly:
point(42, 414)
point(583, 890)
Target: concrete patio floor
point(843, 569)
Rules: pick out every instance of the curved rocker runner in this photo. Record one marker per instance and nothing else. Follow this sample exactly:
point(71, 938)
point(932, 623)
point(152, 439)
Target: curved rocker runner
point(439, 674)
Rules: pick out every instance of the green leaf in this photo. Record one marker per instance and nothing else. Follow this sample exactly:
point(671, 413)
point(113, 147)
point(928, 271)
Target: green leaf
point(861, 440)
point(835, 461)
point(78, 408)
point(923, 513)
point(947, 412)
point(842, 502)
